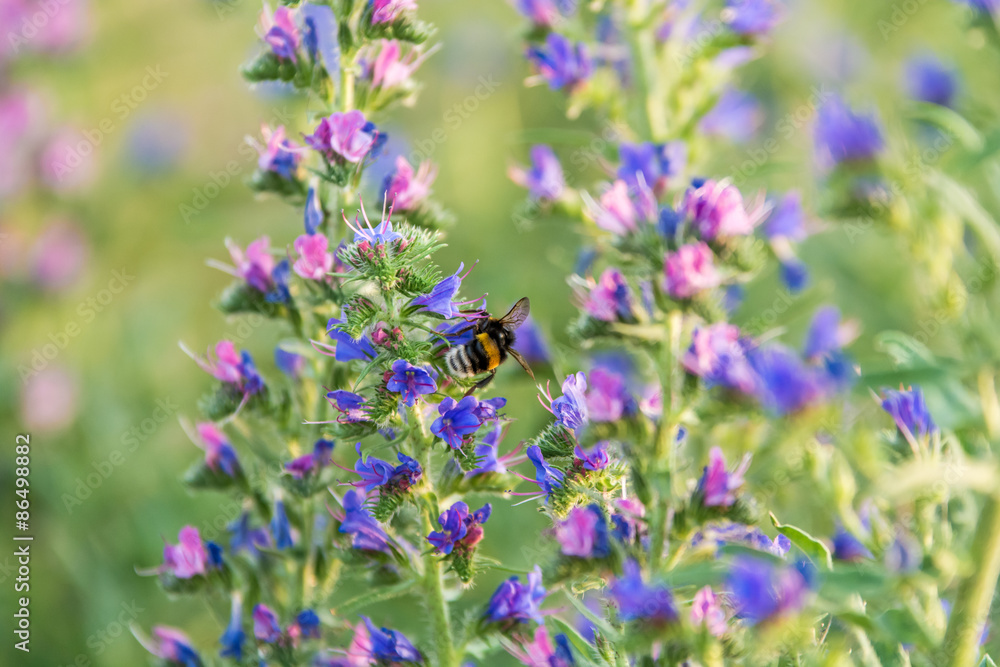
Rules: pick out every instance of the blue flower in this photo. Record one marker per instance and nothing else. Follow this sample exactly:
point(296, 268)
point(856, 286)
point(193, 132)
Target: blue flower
point(637, 600)
point(547, 477)
point(786, 219)
point(752, 17)
point(234, 636)
point(289, 363)
point(279, 277)
point(314, 210)
point(349, 349)
point(654, 163)
point(544, 179)
point(908, 410)
point(245, 537)
point(785, 384)
point(845, 136)
point(265, 624)
point(457, 420)
point(406, 474)
point(984, 6)
point(794, 274)
point(570, 409)
point(308, 624)
point(929, 80)
point(531, 343)
point(214, 554)
point(320, 37)
point(760, 590)
point(848, 548)
point(737, 115)
point(595, 458)
point(281, 531)
point(410, 381)
point(439, 300)
point(252, 381)
point(368, 534)
point(514, 602)
point(351, 406)
point(668, 222)
point(453, 526)
point(824, 336)
point(389, 646)
point(584, 533)
point(738, 533)
point(374, 472)
point(562, 63)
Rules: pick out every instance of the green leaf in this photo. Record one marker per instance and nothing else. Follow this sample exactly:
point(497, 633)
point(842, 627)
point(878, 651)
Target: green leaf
point(987, 661)
point(952, 122)
point(601, 624)
point(812, 547)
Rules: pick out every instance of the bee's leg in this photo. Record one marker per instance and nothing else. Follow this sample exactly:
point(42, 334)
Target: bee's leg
point(482, 383)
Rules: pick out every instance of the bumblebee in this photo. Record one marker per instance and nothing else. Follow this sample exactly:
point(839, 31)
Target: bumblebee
point(491, 343)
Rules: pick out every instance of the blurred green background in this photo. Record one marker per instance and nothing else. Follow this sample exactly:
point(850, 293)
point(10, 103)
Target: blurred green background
point(107, 449)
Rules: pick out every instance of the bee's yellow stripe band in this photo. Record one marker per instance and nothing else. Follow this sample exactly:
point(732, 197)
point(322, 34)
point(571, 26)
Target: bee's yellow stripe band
point(491, 349)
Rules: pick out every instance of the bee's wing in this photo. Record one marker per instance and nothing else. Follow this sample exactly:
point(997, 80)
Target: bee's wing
point(524, 364)
point(517, 315)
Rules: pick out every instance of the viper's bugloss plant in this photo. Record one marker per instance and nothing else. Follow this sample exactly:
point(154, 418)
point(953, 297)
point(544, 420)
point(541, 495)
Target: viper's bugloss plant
point(670, 437)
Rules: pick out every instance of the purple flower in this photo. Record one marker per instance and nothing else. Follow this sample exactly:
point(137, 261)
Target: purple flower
point(387, 11)
point(718, 356)
point(596, 458)
point(374, 472)
point(314, 215)
point(610, 300)
point(410, 381)
point(785, 384)
point(825, 335)
point(737, 116)
point(391, 69)
point(289, 363)
point(544, 179)
point(232, 639)
point(651, 165)
point(306, 625)
point(405, 189)
point(278, 155)
point(281, 531)
point(620, 208)
point(173, 646)
point(541, 652)
point(265, 624)
point(544, 13)
point(349, 349)
point(345, 137)
point(717, 486)
point(786, 219)
point(717, 211)
point(219, 454)
point(368, 534)
point(930, 80)
point(625, 522)
point(584, 533)
point(752, 18)
point(737, 533)
point(245, 537)
point(637, 600)
point(487, 410)
point(707, 610)
point(439, 299)
point(761, 591)
point(406, 474)
point(690, 270)
point(570, 409)
point(389, 646)
point(315, 260)
point(560, 62)
point(514, 602)
point(280, 32)
point(313, 462)
point(351, 406)
point(453, 526)
point(256, 266)
point(904, 555)
point(319, 34)
point(848, 548)
point(548, 478)
point(908, 410)
point(188, 558)
point(842, 135)
point(531, 343)
point(457, 421)
point(608, 399)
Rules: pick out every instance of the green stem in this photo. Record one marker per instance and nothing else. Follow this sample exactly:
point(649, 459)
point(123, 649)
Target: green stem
point(646, 63)
point(664, 452)
point(961, 640)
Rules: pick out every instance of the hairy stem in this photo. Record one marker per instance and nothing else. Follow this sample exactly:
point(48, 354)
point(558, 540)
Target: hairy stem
point(961, 640)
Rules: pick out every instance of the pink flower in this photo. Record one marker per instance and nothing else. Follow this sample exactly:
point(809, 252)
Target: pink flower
point(391, 68)
point(280, 32)
point(716, 210)
point(347, 135)
point(227, 364)
point(706, 610)
point(584, 533)
point(405, 189)
point(59, 256)
point(67, 161)
point(49, 401)
point(387, 11)
point(279, 155)
point(616, 213)
point(187, 558)
point(718, 486)
point(314, 261)
point(690, 270)
point(256, 265)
